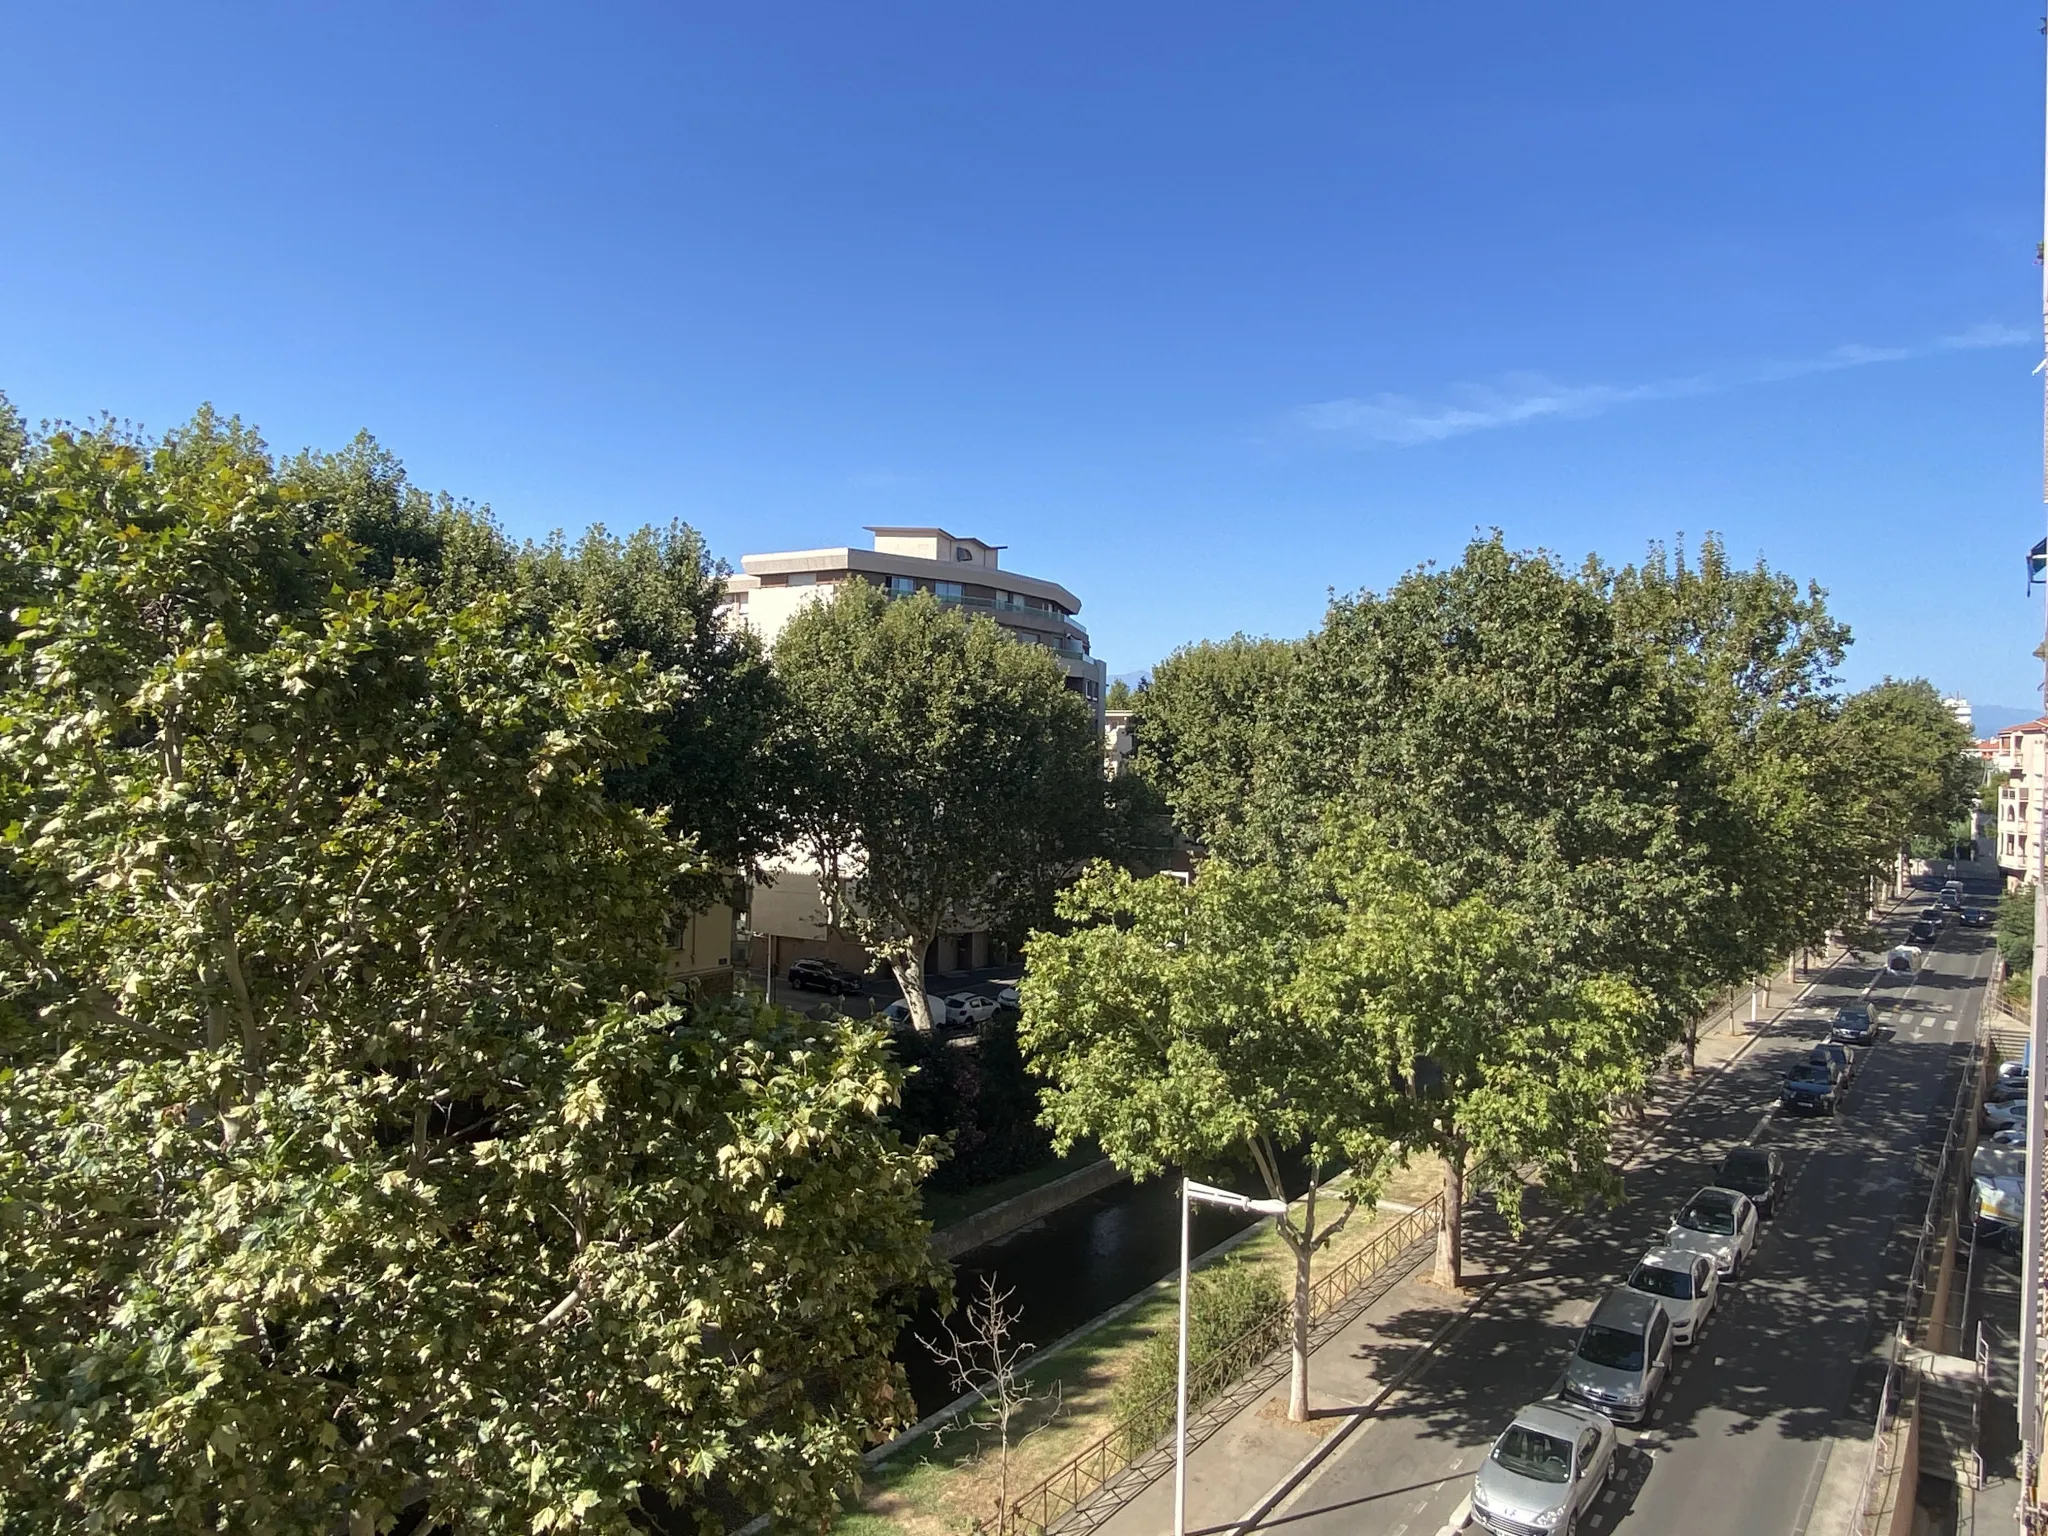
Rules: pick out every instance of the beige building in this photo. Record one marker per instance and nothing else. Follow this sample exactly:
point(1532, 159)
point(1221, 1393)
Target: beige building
point(788, 916)
point(962, 573)
point(2020, 755)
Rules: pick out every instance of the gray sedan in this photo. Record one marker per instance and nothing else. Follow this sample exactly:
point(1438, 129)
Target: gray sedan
point(1544, 1471)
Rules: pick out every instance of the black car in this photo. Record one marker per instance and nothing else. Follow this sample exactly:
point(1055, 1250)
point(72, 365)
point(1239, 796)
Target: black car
point(1757, 1172)
point(1923, 932)
point(1853, 1025)
point(824, 976)
point(1975, 917)
point(1809, 1087)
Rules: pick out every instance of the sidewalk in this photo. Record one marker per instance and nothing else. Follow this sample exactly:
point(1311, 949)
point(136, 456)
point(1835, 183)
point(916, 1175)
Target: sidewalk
point(1235, 1464)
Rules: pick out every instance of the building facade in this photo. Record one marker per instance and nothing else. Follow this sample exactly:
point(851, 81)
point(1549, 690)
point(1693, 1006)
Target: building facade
point(2019, 765)
point(961, 573)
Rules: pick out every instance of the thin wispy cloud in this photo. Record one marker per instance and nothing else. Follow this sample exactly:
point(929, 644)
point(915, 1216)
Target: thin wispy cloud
point(1390, 420)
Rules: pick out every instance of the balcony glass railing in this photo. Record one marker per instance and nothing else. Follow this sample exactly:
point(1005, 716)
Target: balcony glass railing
point(1003, 605)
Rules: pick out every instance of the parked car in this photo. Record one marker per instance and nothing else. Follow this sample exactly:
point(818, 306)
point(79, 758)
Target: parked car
point(2008, 1116)
point(1545, 1470)
point(1686, 1285)
point(824, 976)
point(898, 1013)
point(2004, 1090)
point(1904, 960)
point(1720, 1223)
point(2014, 1136)
point(1835, 1057)
point(1853, 1025)
point(1999, 1175)
point(1758, 1172)
point(1974, 917)
point(1007, 997)
point(1622, 1357)
point(2008, 1069)
point(1808, 1088)
point(964, 1008)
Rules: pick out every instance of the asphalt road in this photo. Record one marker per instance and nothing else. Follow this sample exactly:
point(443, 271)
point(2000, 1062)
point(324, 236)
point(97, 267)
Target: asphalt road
point(1737, 1439)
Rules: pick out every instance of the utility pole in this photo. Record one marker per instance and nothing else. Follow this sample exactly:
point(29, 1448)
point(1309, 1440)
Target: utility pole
point(2031, 1254)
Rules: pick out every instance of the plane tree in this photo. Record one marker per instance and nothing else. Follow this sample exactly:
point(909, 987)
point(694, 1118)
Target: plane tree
point(952, 778)
point(352, 1168)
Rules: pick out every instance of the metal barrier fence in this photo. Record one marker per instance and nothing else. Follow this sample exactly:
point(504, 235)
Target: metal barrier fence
point(1138, 1431)
point(1879, 1467)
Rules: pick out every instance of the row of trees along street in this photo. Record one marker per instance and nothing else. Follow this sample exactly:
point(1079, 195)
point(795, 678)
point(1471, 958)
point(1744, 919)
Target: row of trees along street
point(357, 1168)
point(1481, 850)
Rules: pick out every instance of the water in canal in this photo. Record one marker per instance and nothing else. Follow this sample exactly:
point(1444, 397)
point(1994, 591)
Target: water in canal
point(1074, 1265)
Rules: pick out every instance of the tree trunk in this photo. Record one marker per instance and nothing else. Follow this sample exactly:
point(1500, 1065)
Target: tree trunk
point(1450, 1237)
point(1301, 1242)
point(1692, 1047)
point(909, 969)
point(1297, 1380)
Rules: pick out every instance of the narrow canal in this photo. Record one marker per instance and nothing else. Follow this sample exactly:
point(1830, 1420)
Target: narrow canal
point(1076, 1264)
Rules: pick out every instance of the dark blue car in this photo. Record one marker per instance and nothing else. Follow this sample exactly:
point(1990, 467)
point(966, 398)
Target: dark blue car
point(1853, 1025)
point(1809, 1088)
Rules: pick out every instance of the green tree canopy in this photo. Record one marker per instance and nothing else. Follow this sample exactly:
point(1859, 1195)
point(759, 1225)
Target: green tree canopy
point(954, 779)
point(1203, 729)
point(1491, 720)
point(1752, 658)
point(348, 1162)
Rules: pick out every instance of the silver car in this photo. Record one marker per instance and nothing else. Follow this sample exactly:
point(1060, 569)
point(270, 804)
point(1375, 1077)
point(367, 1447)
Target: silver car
point(1685, 1284)
point(1544, 1471)
point(1719, 1223)
point(1622, 1357)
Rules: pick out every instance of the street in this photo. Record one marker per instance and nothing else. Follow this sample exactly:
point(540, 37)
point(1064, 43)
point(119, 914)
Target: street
point(1736, 1442)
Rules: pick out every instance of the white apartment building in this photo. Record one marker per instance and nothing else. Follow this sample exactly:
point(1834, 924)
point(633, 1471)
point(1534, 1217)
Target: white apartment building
point(962, 573)
point(2021, 756)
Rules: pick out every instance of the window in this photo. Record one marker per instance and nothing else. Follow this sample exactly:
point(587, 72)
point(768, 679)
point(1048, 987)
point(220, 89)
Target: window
point(947, 589)
point(901, 585)
point(803, 578)
point(963, 554)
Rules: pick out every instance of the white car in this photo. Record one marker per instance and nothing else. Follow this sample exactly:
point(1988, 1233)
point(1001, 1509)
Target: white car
point(1686, 1284)
point(1904, 960)
point(969, 1008)
point(1007, 997)
point(2009, 1116)
point(1719, 1223)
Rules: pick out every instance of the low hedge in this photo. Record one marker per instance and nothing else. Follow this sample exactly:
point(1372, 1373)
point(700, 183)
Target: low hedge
point(1228, 1302)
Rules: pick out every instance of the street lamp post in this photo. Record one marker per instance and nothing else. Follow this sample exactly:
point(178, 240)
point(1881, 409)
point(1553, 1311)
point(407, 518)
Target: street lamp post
point(1208, 1194)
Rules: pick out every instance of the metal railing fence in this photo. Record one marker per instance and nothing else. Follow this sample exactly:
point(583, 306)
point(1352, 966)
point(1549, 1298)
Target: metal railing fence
point(1139, 1430)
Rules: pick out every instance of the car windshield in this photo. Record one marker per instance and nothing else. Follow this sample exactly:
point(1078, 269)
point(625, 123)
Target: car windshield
point(1854, 1016)
point(1716, 1217)
point(1529, 1452)
point(1616, 1348)
point(1810, 1072)
point(1659, 1281)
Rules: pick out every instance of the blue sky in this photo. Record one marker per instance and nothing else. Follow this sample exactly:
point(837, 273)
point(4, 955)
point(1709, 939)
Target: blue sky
point(1202, 309)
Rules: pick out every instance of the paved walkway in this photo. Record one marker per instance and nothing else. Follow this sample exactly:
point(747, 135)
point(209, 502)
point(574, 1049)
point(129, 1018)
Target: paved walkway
point(1246, 1454)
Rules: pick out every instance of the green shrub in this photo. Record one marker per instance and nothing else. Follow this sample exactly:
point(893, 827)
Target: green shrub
point(2015, 930)
point(1228, 1302)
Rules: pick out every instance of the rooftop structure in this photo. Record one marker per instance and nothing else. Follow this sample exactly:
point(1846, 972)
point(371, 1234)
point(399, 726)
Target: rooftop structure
point(960, 572)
